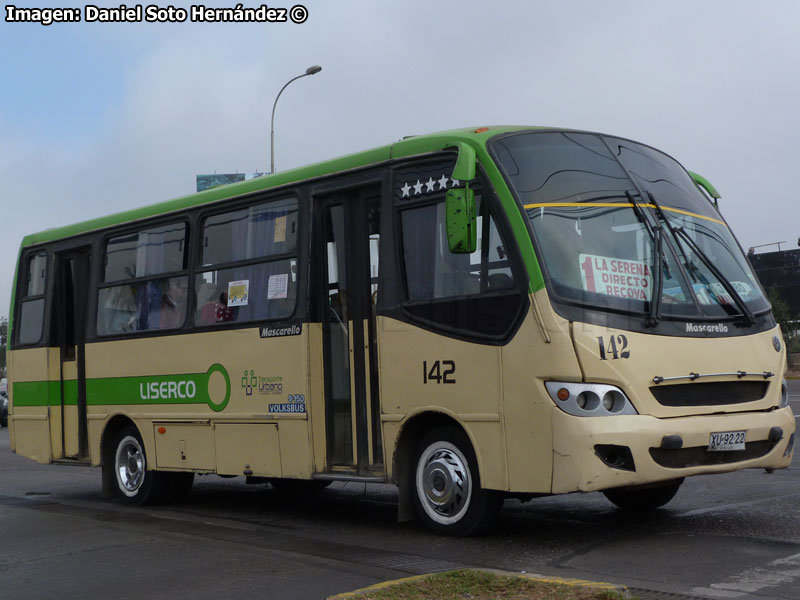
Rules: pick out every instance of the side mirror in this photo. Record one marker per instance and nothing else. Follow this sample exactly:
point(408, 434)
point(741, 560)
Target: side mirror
point(704, 183)
point(465, 165)
point(460, 217)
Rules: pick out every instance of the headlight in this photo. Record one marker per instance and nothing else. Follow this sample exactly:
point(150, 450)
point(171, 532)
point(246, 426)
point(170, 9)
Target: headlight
point(590, 399)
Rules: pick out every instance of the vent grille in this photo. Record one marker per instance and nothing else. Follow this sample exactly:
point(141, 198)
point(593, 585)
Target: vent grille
point(712, 393)
point(699, 456)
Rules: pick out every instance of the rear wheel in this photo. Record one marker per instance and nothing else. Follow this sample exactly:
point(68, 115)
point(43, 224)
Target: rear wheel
point(447, 490)
point(135, 484)
point(644, 498)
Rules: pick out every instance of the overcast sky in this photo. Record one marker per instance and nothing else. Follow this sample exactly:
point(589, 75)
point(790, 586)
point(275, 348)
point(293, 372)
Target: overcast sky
point(96, 118)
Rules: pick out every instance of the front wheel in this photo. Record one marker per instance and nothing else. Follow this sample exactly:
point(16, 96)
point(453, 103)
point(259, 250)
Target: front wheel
point(447, 490)
point(644, 498)
point(135, 484)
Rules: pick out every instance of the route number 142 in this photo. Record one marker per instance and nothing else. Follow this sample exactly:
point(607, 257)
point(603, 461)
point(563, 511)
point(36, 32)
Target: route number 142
point(617, 347)
point(437, 373)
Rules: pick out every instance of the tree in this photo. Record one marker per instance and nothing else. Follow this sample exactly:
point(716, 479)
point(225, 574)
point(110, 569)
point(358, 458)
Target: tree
point(788, 322)
point(3, 338)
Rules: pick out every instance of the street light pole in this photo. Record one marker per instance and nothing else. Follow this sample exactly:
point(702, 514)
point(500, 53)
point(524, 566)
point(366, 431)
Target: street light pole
point(309, 71)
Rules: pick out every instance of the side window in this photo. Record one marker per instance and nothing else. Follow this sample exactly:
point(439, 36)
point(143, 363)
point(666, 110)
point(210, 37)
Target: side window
point(476, 297)
point(144, 281)
point(32, 309)
point(433, 272)
point(248, 269)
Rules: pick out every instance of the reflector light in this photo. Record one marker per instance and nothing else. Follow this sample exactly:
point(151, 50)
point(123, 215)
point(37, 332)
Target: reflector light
point(162, 430)
point(563, 394)
point(481, 129)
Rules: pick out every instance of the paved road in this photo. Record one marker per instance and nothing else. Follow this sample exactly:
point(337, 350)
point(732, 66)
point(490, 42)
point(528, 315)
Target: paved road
point(726, 536)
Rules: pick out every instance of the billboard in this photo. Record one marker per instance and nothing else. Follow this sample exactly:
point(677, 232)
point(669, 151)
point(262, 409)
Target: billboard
point(212, 180)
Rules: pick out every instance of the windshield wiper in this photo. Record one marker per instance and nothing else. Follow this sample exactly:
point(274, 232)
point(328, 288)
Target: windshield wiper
point(656, 233)
point(660, 214)
point(680, 233)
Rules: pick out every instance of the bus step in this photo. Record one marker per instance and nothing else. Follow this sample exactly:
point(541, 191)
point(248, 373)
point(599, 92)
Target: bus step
point(73, 462)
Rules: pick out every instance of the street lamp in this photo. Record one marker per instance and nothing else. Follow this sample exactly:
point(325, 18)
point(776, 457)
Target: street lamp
point(309, 71)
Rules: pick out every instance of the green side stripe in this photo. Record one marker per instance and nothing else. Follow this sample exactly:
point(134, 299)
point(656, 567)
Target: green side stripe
point(191, 388)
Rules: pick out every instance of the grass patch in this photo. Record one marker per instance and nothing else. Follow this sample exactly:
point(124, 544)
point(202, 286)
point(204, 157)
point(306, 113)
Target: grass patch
point(483, 585)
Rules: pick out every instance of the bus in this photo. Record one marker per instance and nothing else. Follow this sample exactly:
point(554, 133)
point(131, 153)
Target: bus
point(470, 315)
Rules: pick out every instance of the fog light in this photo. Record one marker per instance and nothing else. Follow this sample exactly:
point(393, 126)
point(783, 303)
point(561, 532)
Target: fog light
point(616, 457)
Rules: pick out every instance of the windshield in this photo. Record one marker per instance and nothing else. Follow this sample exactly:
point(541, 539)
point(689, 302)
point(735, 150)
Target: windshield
point(592, 202)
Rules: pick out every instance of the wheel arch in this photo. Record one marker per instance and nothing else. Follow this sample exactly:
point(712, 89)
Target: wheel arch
point(411, 432)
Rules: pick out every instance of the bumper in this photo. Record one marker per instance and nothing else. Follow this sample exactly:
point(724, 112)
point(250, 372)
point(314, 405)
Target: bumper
point(577, 466)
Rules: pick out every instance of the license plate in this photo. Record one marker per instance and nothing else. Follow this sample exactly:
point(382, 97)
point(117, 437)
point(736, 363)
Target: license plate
point(726, 440)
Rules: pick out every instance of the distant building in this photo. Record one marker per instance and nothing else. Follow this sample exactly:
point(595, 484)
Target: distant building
point(782, 270)
point(206, 182)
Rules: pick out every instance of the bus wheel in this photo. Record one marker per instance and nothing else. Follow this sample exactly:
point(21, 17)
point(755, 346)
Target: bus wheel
point(644, 498)
point(135, 484)
point(448, 496)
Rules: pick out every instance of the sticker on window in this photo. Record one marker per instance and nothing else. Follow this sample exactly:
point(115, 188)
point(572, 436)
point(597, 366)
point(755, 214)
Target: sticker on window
point(238, 293)
point(715, 292)
point(618, 277)
point(280, 230)
point(278, 286)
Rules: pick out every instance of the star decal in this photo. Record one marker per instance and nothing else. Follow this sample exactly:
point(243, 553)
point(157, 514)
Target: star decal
point(405, 189)
point(418, 188)
point(429, 184)
point(456, 183)
point(443, 182)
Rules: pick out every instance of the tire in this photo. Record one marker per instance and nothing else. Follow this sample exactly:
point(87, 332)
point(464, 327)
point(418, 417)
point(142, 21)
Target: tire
point(644, 498)
point(134, 483)
point(447, 490)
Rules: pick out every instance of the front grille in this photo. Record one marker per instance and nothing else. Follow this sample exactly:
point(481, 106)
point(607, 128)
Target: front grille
point(699, 456)
point(710, 393)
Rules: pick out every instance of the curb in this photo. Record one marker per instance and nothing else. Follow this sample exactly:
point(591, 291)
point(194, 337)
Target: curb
point(600, 585)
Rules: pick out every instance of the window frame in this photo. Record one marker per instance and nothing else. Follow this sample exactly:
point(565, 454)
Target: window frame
point(517, 296)
point(23, 282)
point(290, 193)
point(102, 284)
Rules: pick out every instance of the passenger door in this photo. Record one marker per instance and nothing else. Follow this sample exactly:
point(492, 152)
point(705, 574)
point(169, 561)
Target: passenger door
point(348, 225)
point(70, 307)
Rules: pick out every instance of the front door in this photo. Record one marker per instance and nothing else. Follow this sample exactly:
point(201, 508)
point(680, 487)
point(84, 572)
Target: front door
point(70, 314)
point(349, 223)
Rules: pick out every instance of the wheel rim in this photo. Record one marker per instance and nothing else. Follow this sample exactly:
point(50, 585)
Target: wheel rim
point(444, 483)
point(130, 465)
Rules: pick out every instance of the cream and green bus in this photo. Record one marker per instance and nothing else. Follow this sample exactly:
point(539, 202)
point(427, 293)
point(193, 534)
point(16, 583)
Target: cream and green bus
point(470, 315)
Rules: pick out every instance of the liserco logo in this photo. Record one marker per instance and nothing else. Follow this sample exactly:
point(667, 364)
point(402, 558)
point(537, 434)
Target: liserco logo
point(212, 387)
point(156, 390)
